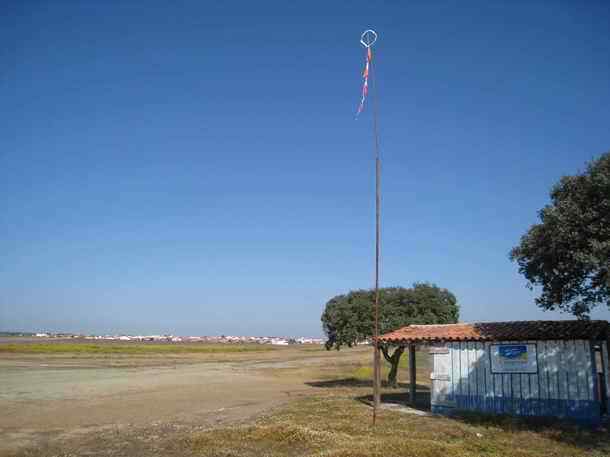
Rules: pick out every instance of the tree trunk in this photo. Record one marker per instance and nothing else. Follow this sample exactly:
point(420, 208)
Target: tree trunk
point(394, 360)
point(392, 376)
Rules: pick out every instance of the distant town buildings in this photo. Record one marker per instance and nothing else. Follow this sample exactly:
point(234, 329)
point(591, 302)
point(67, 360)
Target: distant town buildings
point(273, 340)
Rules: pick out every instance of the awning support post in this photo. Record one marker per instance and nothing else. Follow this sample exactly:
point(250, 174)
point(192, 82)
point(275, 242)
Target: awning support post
point(412, 374)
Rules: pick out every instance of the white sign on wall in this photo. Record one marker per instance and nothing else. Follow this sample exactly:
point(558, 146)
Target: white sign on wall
point(513, 358)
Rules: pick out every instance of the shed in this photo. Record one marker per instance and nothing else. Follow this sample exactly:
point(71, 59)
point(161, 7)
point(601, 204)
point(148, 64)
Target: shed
point(526, 368)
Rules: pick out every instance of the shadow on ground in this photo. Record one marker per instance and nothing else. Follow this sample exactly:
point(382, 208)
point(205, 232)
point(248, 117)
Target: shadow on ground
point(399, 396)
point(596, 439)
point(354, 382)
point(422, 399)
point(580, 435)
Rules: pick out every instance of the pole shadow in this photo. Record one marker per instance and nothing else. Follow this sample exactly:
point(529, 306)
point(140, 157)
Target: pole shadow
point(422, 399)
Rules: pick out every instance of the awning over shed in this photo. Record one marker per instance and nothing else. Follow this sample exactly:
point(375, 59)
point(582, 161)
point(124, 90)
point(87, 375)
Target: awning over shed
point(500, 331)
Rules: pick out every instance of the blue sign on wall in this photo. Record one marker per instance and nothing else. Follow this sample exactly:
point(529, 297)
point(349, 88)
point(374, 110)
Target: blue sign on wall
point(513, 358)
point(514, 352)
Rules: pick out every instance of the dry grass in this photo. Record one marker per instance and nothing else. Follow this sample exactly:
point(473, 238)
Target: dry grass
point(337, 423)
point(340, 426)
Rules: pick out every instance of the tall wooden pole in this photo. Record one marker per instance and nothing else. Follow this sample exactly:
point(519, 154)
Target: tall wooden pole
point(376, 354)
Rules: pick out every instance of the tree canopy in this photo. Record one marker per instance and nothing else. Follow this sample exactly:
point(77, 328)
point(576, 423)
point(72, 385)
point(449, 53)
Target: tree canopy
point(348, 318)
point(567, 254)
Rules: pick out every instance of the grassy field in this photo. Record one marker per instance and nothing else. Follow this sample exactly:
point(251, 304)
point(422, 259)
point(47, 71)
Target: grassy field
point(313, 402)
point(129, 348)
point(365, 371)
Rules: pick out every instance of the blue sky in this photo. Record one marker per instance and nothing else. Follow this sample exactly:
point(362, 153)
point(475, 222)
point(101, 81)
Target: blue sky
point(195, 167)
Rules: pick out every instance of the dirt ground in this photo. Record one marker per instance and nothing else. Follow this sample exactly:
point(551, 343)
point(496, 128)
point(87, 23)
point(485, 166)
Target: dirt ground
point(67, 405)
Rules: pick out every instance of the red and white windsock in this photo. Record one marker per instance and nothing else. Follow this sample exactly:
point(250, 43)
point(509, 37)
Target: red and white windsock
point(367, 39)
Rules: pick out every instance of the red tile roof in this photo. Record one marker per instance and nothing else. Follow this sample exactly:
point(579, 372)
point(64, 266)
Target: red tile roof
point(501, 331)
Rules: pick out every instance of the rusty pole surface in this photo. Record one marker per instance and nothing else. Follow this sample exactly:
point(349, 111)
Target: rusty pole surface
point(376, 354)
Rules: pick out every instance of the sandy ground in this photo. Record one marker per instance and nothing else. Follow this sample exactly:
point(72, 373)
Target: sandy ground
point(145, 405)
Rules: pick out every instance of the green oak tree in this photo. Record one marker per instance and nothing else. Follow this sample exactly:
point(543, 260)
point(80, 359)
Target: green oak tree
point(348, 318)
point(567, 254)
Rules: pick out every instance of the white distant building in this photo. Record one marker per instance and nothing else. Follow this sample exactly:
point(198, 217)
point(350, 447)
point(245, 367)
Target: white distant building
point(304, 340)
point(279, 341)
point(42, 335)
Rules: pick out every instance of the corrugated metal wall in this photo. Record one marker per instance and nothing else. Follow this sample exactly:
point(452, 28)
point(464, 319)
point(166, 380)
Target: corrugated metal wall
point(606, 367)
point(563, 386)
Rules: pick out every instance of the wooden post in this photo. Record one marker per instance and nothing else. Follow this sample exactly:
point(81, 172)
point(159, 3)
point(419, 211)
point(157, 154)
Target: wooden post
point(376, 381)
point(412, 374)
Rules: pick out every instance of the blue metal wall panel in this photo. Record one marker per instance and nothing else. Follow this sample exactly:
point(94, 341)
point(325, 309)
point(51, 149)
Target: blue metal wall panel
point(562, 386)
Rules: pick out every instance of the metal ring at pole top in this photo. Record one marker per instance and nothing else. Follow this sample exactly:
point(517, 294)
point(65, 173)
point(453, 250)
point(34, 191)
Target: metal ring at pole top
point(368, 38)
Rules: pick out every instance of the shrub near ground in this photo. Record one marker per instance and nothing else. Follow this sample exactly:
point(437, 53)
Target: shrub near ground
point(340, 426)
